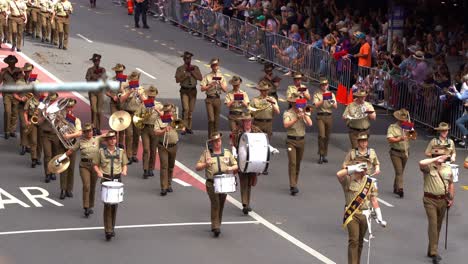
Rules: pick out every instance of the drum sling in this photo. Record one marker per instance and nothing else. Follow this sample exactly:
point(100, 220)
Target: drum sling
point(357, 201)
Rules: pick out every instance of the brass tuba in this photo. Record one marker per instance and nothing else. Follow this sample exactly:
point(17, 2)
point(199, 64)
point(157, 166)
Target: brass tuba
point(54, 113)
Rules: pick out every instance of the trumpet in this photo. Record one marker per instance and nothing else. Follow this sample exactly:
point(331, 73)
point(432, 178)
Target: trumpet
point(309, 109)
point(411, 134)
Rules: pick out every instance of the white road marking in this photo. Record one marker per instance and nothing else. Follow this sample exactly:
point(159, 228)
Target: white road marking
point(172, 48)
point(164, 44)
point(181, 182)
point(386, 203)
point(85, 38)
point(120, 227)
point(263, 221)
point(223, 117)
point(145, 73)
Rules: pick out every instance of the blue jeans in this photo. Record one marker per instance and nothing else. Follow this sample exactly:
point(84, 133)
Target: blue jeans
point(461, 123)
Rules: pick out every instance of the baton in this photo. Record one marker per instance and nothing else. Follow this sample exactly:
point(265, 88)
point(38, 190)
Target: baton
point(446, 227)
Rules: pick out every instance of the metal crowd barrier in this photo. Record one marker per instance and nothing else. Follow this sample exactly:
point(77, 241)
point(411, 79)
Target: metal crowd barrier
point(390, 92)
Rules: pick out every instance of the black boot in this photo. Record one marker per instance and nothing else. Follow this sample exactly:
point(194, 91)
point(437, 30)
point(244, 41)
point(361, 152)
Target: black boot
point(163, 192)
point(108, 236)
point(145, 174)
point(69, 194)
point(245, 209)
point(33, 163)
point(216, 232)
point(325, 160)
point(53, 177)
point(401, 193)
point(47, 178)
point(320, 160)
point(23, 151)
point(62, 195)
point(86, 212)
point(151, 173)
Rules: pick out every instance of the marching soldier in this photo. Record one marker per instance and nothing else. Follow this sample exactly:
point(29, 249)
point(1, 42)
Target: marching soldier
point(34, 25)
point(213, 84)
point(236, 100)
point(51, 144)
point(131, 100)
point(114, 96)
point(62, 11)
point(187, 76)
point(360, 194)
point(103, 167)
point(167, 148)
point(152, 108)
point(358, 115)
point(4, 9)
point(399, 148)
point(272, 80)
point(364, 154)
point(266, 107)
point(17, 20)
point(10, 104)
point(216, 161)
point(295, 120)
point(442, 142)
point(325, 102)
point(94, 74)
point(298, 87)
point(439, 194)
point(89, 149)
point(33, 133)
point(247, 180)
point(66, 177)
point(45, 22)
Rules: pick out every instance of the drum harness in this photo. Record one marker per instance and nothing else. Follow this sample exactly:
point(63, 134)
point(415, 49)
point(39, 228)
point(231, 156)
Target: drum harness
point(108, 155)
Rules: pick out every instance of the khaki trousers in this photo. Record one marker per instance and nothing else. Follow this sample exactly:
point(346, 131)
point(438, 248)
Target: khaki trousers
point(435, 211)
point(213, 110)
point(265, 125)
point(63, 29)
point(132, 138)
point(109, 214)
point(67, 177)
point(34, 143)
point(54, 31)
point(399, 162)
point(167, 158)
point(247, 180)
point(150, 144)
point(45, 25)
point(295, 153)
point(3, 29)
point(88, 178)
point(353, 135)
point(17, 29)
point(33, 20)
point(324, 123)
point(114, 107)
point(357, 229)
point(188, 97)
point(96, 100)
point(10, 113)
point(23, 137)
point(52, 146)
point(217, 201)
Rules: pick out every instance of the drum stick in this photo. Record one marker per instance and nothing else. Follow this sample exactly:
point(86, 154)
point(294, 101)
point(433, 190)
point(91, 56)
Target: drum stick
point(107, 178)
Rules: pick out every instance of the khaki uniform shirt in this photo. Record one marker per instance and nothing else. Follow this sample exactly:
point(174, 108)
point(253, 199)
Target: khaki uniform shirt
point(299, 128)
point(63, 8)
point(45, 5)
point(154, 114)
point(354, 108)
point(437, 142)
point(89, 149)
point(17, 8)
point(433, 182)
point(34, 3)
point(94, 74)
point(104, 162)
point(132, 103)
point(236, 134)
point(273, 87)
point(215, 90)
point(77, 124)
point(31, 105)
point(352, 186)
point(190, 81)
point(326, 107)
point(237, 105)
point(7, 76)
point(219, 163)
point(172, 136)
point(293, 89)
point(394, 130)
point(259, 102)
point(370, 156)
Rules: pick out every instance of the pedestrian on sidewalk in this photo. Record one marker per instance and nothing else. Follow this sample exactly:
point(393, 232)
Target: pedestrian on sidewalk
point(141, 8)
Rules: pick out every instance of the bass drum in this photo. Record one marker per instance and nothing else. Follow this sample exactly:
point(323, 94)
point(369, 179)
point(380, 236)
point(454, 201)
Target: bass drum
point(253, 153)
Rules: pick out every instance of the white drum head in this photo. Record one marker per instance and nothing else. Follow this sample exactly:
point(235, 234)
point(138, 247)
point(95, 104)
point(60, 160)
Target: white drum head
point(112, 184)
point(253, 153)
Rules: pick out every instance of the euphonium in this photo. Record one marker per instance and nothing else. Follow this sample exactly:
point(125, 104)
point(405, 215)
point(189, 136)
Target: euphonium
point(56, 117)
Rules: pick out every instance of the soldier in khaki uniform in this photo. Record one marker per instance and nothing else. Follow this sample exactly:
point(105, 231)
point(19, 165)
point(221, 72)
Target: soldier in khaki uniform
point(17, 20)
point(298, 87)
point(295, 120)
point(187, 76)
point(67, 177)
point(167, 148)
point(45, 21)
point(438, 196)
point(364, 154)
point(96, 99)
point(103, 167)
point(131, 100)
point(89, 149)
point(272, 80)
point(213, 84)
point(216, 161)
point(236, 100)
point(399, 149)
point(325, 102)
point(442, 142)
point(149, 139)
point(247, 180)
point(353, 179)
point(62, 12)
point(358, 115)
point(31, 108)
point(266, 107)
point(4, 9)
point(10, 104)
point(114, 100)
point(33, 25)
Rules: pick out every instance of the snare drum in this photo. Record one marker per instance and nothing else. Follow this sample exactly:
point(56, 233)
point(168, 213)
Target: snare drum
point(253, 153)
point(112, 192)
point(225, 183)
point(454, 168)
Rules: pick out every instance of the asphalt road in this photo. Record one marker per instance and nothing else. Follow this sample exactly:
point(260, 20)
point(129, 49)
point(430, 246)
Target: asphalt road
point(148, 233)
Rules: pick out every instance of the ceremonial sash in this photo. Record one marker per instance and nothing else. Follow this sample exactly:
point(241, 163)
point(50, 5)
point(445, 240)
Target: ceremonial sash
point(357, 201)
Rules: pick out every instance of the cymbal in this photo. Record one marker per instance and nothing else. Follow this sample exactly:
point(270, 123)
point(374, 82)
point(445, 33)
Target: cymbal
point(63, 166)
point(120, 120)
